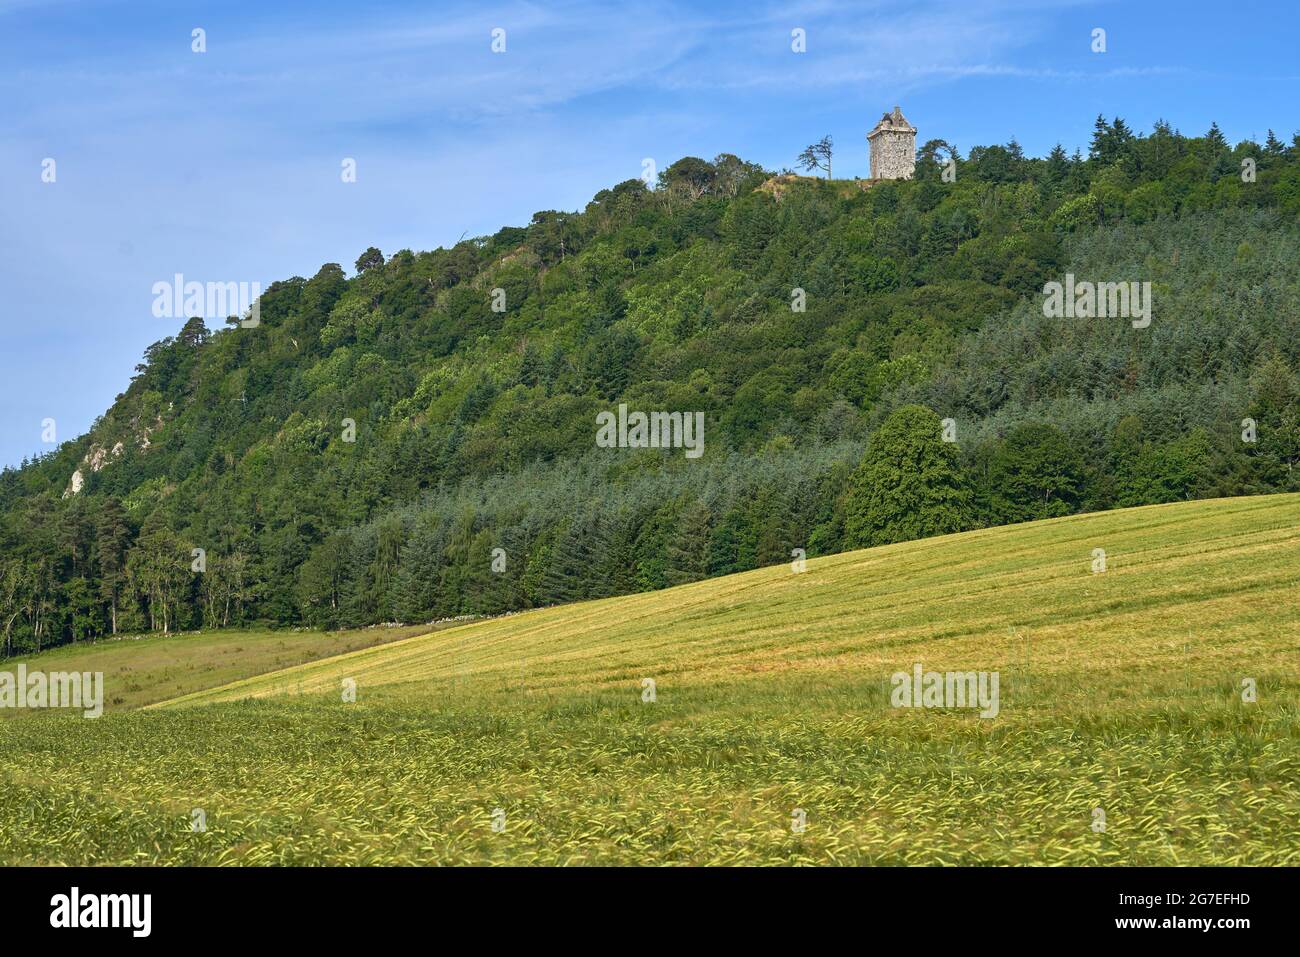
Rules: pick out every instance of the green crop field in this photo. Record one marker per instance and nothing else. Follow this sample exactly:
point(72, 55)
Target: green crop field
point(1147, 715)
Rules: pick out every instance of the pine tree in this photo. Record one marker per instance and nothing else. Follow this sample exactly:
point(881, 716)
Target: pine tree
point(731, 547)
point(567, 574)
point(619, 567)
point(1078, 179)
point(1100, 140)
point(1215, 143)
point(688, 546)
point(1121, 136)
point(1275, 407)
point(1058, 165)
point(112, 539)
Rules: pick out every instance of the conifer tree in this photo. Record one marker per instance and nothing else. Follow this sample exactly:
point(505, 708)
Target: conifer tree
point(112, 539)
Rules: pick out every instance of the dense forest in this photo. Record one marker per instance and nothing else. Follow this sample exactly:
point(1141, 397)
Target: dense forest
point(872, 360)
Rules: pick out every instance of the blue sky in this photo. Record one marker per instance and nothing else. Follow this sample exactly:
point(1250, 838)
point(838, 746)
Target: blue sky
point(225, 165)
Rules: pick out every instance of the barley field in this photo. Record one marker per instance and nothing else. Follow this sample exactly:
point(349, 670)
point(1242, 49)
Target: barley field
point(1147, 715)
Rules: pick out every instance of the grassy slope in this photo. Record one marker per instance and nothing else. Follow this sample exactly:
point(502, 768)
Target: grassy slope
point(139, 670)
point(1207, 575)
point(1119, 691)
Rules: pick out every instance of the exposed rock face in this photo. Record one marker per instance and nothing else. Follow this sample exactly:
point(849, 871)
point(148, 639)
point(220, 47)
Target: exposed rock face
point(893, 147)
point(96, 459)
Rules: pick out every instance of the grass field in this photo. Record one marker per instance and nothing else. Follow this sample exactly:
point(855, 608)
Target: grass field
point(142, 669)
point(528, 739)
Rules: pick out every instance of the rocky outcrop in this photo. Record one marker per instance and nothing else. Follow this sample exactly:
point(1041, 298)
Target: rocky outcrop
point(95, 459)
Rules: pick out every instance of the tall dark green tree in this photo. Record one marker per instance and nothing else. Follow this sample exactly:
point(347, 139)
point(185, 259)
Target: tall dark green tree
point(112, 539)
point(1036, 473)
point(908, 485)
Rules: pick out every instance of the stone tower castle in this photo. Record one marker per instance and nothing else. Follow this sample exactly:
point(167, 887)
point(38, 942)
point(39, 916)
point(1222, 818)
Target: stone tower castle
point(893, 147)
